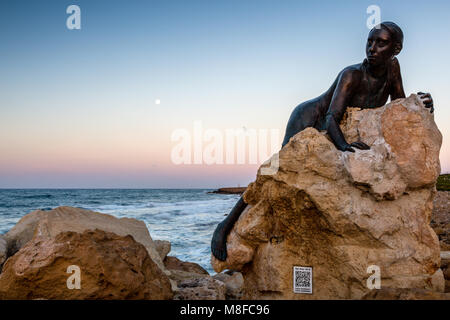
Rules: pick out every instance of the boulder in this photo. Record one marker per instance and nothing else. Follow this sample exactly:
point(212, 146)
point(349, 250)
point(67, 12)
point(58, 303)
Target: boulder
point(221, 277)
point(163, 247)
point(180, 275)
point(3, 251)
point(445, 266)
point(193, 282)
point(233, 284)
point(50, 223)
point(109, 267)
point(440, 221)
point(202, 288)
point(173, 263)
point(343, 214)
point(405, 294)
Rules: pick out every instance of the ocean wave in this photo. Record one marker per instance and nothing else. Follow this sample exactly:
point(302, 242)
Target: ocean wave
point(37, 196)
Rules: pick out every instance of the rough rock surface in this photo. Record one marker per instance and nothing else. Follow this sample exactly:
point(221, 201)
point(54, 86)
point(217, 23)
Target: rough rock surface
point(440, 220)
point(232, 190)
point(341, 212)
point(173, 263)
point(3, 251)
point(111, 267)
point(202, 288)
point(233, 284)
point(50, 223)
point(405, 294)
point(445, 266)
point(163, 247)
point(192, 281)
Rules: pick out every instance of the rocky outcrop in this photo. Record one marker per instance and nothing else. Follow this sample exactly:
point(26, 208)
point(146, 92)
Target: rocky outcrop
point(173, 263)
point(48, 224)
point(233, 284)
point(200, 288)
point(192, 281)
point(405, 294)
point(3, 251)
point(341, 212)
point(231, 190)
point(110, 267)
point(445, 266)
point(163, 248)
point(440, 221)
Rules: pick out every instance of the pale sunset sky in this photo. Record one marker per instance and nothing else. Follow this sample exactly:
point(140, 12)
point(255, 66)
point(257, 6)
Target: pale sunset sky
point(96, 107)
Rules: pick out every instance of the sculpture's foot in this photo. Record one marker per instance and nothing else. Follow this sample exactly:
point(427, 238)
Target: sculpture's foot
point(219, 243)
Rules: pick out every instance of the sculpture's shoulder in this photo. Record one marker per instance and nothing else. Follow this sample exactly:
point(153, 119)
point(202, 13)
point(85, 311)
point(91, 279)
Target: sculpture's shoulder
point(353, 71)
point(351, 75)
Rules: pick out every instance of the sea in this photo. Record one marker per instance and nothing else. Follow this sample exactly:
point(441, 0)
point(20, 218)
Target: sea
point(185, 217)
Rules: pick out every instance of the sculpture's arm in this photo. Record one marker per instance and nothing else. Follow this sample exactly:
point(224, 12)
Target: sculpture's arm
point(397, 87)
point(347, 83)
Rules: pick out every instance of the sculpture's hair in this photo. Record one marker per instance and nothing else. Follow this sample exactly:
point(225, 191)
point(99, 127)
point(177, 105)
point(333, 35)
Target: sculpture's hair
point(395, 32)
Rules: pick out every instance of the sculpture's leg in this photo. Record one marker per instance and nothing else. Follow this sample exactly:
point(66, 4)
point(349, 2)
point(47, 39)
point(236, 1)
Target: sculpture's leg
point(219, 239)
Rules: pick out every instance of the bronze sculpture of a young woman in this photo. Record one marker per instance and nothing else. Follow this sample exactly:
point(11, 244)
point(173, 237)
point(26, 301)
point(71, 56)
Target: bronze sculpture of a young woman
point(365, 85)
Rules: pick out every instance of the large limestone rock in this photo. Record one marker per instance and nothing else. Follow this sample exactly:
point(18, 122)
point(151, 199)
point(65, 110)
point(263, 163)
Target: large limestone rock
point(200, 288)
point(192, 281)
point(233, 284)
point(3, 251)
point(173, 263)
point(111, 267)
point(163, 248)
point(445, 266)
point(48, 224)
point(405, 294)
point(440, 219)
point(341, 212)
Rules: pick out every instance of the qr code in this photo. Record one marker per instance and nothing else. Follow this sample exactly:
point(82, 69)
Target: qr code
point(303, 280)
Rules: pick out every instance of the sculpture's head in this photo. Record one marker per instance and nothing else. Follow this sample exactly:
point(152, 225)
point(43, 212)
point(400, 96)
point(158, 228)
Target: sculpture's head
point(384, 42)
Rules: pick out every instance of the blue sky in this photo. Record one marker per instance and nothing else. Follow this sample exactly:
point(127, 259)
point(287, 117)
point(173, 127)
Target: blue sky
point(77, 106)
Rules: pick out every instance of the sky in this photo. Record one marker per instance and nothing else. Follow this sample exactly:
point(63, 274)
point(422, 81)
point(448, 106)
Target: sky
point(97, 107)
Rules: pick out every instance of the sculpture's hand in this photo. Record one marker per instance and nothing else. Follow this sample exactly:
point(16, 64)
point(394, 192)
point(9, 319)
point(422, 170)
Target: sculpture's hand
point(357, 144)
point(427, 100)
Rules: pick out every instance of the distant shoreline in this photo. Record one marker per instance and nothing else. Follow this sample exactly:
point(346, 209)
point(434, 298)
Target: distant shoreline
point(230, 190)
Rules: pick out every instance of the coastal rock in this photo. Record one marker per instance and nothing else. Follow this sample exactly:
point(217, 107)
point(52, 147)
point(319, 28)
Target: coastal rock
point(203, 288)
point(50, 223)
point(3, 251)
point(231, 190)
point(163, 247)
point(342, 212)
point(445, 266)
point(180, 275)
point(233, 284)
point(440, 221)
point(173, 263)
point(193, 282)
point(110, 267)
point(405, 294)
point(182, 271)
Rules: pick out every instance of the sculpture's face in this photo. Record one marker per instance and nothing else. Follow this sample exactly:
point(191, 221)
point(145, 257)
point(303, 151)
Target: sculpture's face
point(380, 47)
